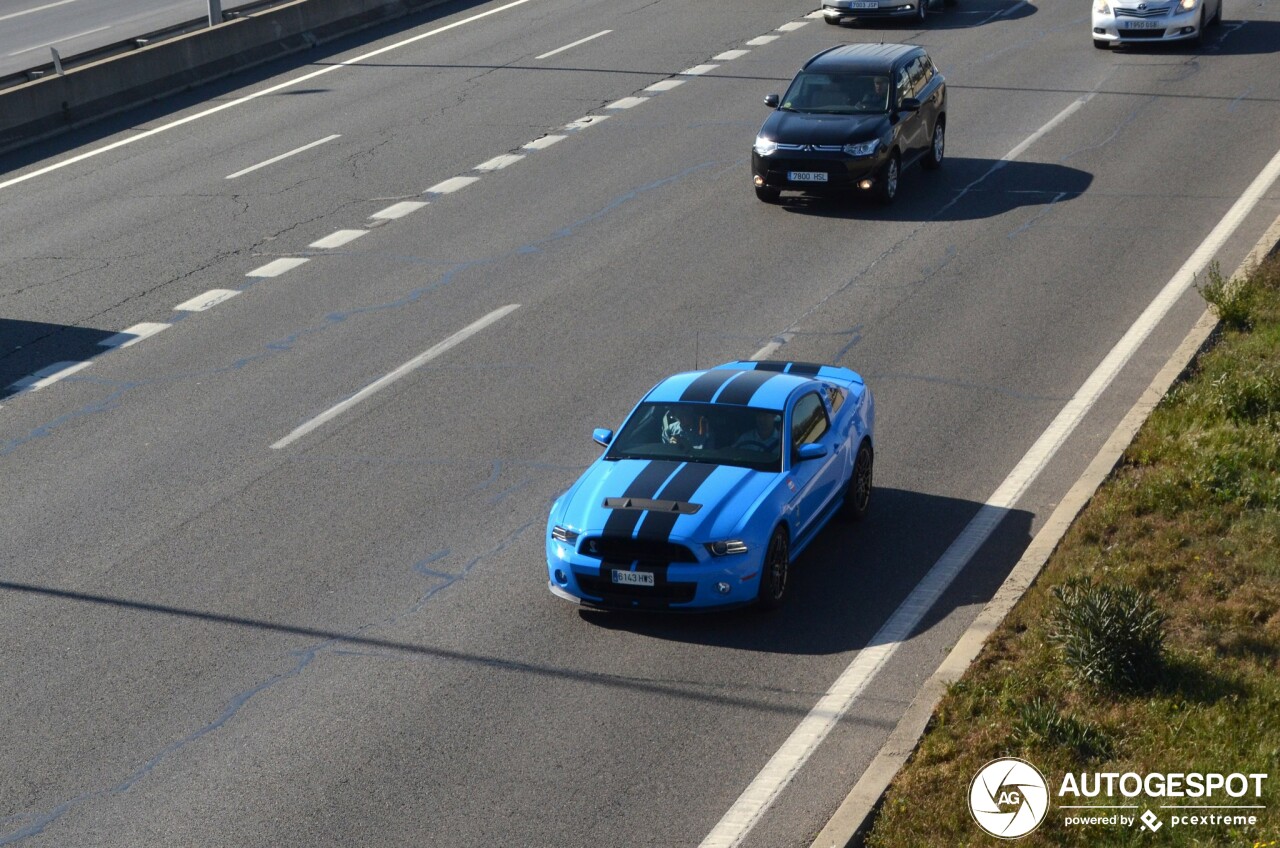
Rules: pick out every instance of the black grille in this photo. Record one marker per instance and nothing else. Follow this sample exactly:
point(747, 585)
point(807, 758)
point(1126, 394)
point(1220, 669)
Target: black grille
point(625, 549)
point(634, 597)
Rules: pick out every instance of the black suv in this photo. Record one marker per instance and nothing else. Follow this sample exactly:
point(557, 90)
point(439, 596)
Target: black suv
point(851, 120)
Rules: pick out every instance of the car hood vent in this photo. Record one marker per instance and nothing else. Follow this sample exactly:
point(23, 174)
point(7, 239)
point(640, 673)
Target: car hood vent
point(678, 507)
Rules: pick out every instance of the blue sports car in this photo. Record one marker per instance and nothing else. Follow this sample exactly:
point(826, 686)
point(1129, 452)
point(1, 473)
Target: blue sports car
point(715, 482)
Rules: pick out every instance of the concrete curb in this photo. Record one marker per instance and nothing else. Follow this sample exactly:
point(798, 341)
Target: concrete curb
point(851, 821)
point(50, 105)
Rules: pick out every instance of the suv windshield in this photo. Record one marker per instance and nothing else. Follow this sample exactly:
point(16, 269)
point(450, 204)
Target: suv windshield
point(838, 94)
point(702, 432)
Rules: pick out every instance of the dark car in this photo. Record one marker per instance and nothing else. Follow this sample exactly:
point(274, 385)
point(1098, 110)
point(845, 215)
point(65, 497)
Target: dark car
point(852, 119)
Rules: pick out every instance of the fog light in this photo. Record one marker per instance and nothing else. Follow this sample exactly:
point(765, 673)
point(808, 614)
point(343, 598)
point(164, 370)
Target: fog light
point(561, 577)
point(864, 185)
point(1100, 30)
point(1188, 30)
point(722, 588)
point(759, 181)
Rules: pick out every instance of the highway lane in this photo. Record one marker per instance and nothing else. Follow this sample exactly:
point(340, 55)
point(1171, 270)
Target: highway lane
point(468, 705)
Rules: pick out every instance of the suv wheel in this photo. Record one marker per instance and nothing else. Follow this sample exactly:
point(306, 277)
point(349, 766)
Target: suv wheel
point(933, 159)
point(887, 184)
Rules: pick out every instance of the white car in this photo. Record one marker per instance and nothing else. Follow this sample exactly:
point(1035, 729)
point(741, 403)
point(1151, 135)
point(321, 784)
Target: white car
point(1148, 21)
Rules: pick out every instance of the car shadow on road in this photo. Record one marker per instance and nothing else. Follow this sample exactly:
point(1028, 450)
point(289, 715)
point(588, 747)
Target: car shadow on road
point(33, 349)
point(960, 16)
point(965, 189)
point(848, 583)
point(1231, 38)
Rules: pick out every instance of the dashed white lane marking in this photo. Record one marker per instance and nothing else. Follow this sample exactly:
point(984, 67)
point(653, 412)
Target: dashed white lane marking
point(35, 9)
point(584, 122)
point(337, 239)
point(133, 335)
point(451, 185)
point(792, 26)
point(61, 40)
point(398, 210)
point(627, 102)
point(48, 376)
point(133, 139)
point(410, 366)
point(208, 300)
point(665, 85)
point(760, 40)
point(278, 266)
point(574, 44)
point(497, 163)
point(544, 142)
point(282, 156)
point(730, 55)
point(698, 70)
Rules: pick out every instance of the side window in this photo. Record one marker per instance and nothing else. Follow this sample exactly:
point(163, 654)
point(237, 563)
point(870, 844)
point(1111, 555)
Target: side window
point(808, 420)
point(903, 84)
point(916, 71)
point(835, 398)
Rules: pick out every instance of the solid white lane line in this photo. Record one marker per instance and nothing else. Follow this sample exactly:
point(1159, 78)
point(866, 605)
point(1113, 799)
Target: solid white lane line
point(698, 70)
point(409, 367)
point(730, 55)
point(665, 85)
point(497, 163)
point(1053, 122)
point(760, 40)
point(133, 139)
point(777, 773)
point(627, 102)
point(398, 210)
point(133, 335)
point(208, 300)
point(574, 44)
point(36, 9)
point(61, 40)
point(276, 159)
point(544, 142)
point(49, 375)
point(451, 185)
point(793, 26)
point(337, 239)
point(276, 267)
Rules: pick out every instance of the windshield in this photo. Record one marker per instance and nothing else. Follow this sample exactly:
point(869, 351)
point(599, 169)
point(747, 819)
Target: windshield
point(702, 432)
point(838, 94)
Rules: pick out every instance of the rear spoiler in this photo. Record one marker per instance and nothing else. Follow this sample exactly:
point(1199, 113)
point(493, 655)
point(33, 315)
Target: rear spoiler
point(800, 369)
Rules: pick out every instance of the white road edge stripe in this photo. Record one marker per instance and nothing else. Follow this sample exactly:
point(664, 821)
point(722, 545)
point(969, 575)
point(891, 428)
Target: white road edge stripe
point(410, 366)
point(276, 159)
point(61, 40)
point(263, 93)
point(574, 44)
point(36, 9)
point(804, 740)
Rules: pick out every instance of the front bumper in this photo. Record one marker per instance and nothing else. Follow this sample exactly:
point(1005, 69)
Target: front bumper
point(678, 586)
point(1127, 30)
point(844, 173)
point(903, 9)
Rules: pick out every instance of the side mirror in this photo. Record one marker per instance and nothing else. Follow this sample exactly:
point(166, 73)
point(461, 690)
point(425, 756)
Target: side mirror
point(909, 104)
point(602, 436)
point(771, 100)
point(813, 451)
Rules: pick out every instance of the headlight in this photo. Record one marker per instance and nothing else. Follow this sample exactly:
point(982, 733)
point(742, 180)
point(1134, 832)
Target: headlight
point(765, 146)
point(1101, 7)
point(731, 546)
point(564, 534)
point(866, 148)
point(1187, 5)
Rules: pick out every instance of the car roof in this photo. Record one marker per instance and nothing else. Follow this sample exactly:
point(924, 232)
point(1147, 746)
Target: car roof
point(762, 385)
point(861, 57)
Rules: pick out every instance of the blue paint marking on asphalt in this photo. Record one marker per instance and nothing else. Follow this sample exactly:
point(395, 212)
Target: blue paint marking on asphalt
point(1044, 210)
point(421, 565)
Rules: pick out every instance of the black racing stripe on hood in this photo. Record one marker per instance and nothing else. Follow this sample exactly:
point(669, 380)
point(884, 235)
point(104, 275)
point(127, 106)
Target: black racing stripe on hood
point(808, 369)
point(622, 522)
point(746, 385)
point(703, 389)
point(771, 365)
point(658, 525)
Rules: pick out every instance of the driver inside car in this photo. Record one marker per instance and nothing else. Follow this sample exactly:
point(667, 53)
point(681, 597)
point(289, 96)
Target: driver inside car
point(763, 435)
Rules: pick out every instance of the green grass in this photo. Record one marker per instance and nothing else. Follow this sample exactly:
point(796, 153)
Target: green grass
point(1151, 642)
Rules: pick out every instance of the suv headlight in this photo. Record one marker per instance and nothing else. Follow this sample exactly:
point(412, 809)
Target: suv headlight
point(1101, 7)
point(865, 148)
point(765, 146)
point(730, 546)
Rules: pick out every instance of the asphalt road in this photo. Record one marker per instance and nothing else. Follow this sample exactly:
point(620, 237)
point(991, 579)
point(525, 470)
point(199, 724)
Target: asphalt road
point(348, 640)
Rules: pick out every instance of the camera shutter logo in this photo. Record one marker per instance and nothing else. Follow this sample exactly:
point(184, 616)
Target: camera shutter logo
point(1008, 798)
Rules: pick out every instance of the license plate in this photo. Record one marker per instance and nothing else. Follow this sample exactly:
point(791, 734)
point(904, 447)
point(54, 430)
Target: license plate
point(864, 5)
point(633, 578)
point(1143, 25)
point(807, 176)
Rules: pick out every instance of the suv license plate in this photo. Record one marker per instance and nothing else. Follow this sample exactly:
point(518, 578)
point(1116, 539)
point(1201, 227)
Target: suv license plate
point(633, 578)
point(807, 176)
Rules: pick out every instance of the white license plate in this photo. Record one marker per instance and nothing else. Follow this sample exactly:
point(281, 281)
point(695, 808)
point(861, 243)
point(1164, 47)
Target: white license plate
point(1143, 25)
point(633, 578)
point(864, 5)
point(807, 176)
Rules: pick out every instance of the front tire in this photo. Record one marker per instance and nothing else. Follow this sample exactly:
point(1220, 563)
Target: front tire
point(938, 149)
point(857, 495)
point(766, 194)
point(1216, 20)
point(1197, 40)
point(922, 11)
point(776, 571)
point(887, 185)
point(832, 21)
